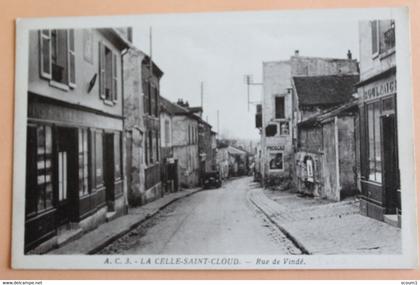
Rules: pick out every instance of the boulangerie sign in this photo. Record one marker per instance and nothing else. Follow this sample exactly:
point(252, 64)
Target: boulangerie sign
point(138, 146)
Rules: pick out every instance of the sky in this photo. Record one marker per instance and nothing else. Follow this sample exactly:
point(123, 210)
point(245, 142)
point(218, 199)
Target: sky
point(219, 49)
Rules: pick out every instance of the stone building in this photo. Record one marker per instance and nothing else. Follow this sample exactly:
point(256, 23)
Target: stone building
point(142, 187)
point(75, 155)
point(277, 117)
point(169, 164)
point(184, 142)
point(377, 91)
point(326, 157)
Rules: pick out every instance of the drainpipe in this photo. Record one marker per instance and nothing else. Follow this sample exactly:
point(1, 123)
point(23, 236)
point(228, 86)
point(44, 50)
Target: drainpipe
point(123, 143)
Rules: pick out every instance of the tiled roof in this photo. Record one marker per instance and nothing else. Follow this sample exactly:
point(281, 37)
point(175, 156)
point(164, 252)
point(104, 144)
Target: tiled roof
point(325, 90)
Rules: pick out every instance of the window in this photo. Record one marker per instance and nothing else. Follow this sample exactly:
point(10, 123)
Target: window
point(374, 142)
point(157, 145)
point(152, 101)
point(156, 95)
point(167, 134)
point(146, 100)
point(108, 75)
point(279, 105)
point(57, 54)
point(284, 128)
point(151, 147)
point(39, 195)
point(271, 130)
point(389, 36)
point(375, 36)
point(117, 154)
point(146, 150)
point(83, 162)
point(99, 178)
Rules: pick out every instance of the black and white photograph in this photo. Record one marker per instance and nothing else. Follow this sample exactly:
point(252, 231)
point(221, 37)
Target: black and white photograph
point(236, 140)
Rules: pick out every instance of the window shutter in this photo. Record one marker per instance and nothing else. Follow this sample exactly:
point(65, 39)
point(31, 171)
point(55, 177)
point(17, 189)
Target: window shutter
point(114, 78)
point(45, 53)
point(101, 71)
point(374, 29)
point(71, 59)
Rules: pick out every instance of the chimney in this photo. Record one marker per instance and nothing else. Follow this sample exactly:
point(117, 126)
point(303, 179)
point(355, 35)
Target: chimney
point(296, 52)
point(349, 54)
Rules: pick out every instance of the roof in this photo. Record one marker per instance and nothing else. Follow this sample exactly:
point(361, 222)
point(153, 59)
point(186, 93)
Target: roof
point(175, 109)
point(325, 90)
point(234, 150)
point(317, 119)
point(195, 109)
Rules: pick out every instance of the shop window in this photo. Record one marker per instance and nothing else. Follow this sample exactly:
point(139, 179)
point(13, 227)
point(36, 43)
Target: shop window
point(39, 177)
point(99, 177)
point(107, 74)
point(374, 142)
point(117, 155)
point(279, 105)
point(83, 162)
point(57, 53)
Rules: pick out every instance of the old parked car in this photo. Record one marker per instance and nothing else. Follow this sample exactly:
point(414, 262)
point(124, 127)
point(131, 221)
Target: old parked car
point(212, 179)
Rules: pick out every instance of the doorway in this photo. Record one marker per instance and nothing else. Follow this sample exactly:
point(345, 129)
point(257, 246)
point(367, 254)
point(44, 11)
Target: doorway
point(66, 174)
point(391, 182)
point(109, 171)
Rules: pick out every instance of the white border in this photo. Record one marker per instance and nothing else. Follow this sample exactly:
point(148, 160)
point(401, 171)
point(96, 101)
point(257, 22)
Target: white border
point(408, 258)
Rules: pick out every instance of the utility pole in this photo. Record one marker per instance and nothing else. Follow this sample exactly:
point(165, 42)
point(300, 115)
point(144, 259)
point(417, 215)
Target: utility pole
point(218, 123)
point(249, 82)
point(202, 93)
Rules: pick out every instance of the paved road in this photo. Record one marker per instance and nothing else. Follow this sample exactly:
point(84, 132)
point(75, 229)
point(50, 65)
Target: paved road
point(217, 221)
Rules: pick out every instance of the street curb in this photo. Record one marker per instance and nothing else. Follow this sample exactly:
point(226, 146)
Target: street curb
point(296, 242)
point(136, 224)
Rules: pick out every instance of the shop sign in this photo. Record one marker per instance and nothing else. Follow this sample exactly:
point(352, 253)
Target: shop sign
point(275, 147)
point(380, 89)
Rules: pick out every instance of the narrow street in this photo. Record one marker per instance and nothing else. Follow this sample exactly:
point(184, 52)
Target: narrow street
point(215, 221)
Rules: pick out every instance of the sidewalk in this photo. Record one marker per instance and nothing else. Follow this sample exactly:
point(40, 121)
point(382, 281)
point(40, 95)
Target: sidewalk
point(106, 233)
point(324, 227)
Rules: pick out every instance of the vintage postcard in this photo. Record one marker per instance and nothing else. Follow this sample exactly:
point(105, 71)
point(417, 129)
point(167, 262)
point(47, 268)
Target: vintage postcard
point(238, 140)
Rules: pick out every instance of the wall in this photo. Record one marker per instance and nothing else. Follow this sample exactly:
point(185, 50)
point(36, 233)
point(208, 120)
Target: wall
point(347, 155)
point(314, 66)
point(276, 81)
point(369, 64)
point(330, 171)
point(86, 68)
point(134, 126)
point(185, 152)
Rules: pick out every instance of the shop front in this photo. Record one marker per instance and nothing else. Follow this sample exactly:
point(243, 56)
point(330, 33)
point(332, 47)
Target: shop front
point(73, 175)
point(379, 146)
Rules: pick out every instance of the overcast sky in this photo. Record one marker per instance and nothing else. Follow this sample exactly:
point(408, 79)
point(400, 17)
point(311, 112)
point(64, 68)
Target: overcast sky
point(219, 49)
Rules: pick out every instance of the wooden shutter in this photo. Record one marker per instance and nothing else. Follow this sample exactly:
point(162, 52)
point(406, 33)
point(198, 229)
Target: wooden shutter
point(71, 59)
point(45, 53)
point(114, 78)
point(101, 71)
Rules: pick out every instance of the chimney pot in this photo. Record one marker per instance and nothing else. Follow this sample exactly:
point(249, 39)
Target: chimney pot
point(349, 55)
point(297, 52)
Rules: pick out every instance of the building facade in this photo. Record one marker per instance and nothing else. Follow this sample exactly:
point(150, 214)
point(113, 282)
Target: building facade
point(169, 164)
point(377, 91)
point(150, 76)
point(279, 113)
point(74, 174)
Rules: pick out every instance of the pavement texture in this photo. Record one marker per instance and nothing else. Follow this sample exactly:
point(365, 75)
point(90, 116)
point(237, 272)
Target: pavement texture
point(318, 226)
point(106, 233)
point(215, 221)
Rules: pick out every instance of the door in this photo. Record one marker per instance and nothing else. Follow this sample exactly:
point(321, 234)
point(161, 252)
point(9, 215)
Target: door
point(391, 169)
point(109, 171)
point(66, 174)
